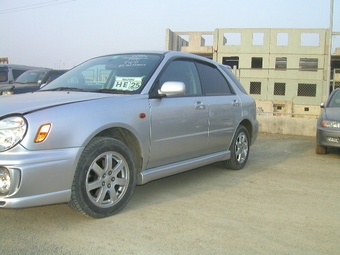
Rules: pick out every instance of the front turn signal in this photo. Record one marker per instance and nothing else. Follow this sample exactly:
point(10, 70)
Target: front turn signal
point(42, 133)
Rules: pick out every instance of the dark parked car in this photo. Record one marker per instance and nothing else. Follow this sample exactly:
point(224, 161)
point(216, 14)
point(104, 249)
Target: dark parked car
point(328, 124)
point(30, 81)
point(113, 122)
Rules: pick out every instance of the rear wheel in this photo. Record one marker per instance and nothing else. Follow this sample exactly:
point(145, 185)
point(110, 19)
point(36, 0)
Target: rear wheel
point(104, 180)
point(320, 149)
point(239, 150)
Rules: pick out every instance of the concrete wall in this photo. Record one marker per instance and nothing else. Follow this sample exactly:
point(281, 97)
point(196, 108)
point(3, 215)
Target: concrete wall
point(287, 125)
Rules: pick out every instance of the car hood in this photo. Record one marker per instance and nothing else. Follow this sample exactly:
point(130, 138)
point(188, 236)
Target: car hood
point(332, 114)
point(22, 103)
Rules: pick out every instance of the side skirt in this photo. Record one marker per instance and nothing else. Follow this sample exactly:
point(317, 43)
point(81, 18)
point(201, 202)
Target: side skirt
point(163, 171)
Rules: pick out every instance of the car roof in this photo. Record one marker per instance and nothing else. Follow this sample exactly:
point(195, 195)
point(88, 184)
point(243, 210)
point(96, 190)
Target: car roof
point(38, 69)
point(168, 54)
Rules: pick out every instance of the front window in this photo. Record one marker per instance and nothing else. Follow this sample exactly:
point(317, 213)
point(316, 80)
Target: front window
point(31, 77)
point(125, 73)
point(183, 71)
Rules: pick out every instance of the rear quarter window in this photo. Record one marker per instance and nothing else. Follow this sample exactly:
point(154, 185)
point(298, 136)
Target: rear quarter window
point(227, 71)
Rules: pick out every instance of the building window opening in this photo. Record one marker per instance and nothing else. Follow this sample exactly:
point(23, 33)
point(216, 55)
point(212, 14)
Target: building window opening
point(281, 63)
point(282, 39)
point(207, 40)
point(279, 89)
point(258, 38)
point(255, 88)
point(308, 64)
point(232, 39)
point(256, 62)
point(310, 39)
point(183, 40)
point(306, 90)
point(231, 61)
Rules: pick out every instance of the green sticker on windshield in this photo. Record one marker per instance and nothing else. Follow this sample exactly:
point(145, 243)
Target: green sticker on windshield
point(127, 83)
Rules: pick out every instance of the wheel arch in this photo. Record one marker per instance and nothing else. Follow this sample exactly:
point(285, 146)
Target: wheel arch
point(247, 124)
point(129, 139)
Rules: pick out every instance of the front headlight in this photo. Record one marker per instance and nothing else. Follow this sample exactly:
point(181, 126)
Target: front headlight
point(12, 131)
point(330, 124)
point(6, 93)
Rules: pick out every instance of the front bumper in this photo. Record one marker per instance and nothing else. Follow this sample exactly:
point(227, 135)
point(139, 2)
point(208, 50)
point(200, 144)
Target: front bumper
point(38, 177)
point(328, 137)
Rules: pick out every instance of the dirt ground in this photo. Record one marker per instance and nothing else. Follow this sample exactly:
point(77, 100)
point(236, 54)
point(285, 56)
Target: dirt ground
point(285, 201)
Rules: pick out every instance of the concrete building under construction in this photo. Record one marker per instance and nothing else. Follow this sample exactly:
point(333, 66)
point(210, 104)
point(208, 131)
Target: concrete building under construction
point(287, 71)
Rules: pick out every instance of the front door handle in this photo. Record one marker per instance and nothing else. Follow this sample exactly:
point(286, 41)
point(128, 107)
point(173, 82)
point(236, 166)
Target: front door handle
point(199, 105)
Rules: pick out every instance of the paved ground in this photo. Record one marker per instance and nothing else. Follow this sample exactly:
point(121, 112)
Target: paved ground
point(286, 201)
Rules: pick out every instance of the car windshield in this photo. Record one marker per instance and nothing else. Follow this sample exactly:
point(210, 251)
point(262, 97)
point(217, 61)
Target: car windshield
point(32, 76)
point(124, 73)
point(335, 100)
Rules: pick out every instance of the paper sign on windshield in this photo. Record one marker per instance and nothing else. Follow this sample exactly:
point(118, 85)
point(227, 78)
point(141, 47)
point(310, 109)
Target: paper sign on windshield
point(127, 83)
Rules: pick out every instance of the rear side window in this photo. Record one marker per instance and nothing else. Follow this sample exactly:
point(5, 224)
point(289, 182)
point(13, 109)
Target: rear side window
point(3, 74)
point(213, 81)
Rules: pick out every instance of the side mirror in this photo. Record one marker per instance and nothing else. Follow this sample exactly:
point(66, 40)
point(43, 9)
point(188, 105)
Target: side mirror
point(322, 105)
point(172, 88)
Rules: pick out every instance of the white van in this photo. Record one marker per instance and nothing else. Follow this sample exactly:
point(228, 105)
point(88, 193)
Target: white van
point(9, 72)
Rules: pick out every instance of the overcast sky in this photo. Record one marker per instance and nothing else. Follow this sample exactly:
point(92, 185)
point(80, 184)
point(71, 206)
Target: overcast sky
point(64, 33)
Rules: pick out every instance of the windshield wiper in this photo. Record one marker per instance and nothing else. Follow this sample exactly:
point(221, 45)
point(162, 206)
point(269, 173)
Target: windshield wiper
point(63, 88)
point(112, 91)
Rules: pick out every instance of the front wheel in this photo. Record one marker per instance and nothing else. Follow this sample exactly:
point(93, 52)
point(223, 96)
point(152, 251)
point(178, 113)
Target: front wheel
point(104, 180)
point(239, 150)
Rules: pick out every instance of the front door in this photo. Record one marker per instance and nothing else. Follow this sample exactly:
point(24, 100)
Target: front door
point(179, 124)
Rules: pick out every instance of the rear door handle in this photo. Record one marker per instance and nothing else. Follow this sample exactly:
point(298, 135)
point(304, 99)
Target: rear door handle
point(235, 103)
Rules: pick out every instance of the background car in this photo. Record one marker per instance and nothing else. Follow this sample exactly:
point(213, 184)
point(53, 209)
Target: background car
point(30, 81)
point(88, 137)
point(10, 72)
point(328, 124)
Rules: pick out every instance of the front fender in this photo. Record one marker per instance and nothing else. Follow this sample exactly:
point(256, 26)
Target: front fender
point(74, 125)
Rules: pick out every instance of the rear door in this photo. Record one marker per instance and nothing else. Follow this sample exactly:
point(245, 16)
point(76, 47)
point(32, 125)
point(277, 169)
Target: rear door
point(224, 107)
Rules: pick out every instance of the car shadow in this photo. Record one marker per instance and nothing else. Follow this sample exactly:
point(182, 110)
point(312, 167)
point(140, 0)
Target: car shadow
point(268, 151)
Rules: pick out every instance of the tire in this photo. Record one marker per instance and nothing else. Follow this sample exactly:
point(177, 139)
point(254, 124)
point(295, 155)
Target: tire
point(104, 179)
point(239, 150)
point(320, 149)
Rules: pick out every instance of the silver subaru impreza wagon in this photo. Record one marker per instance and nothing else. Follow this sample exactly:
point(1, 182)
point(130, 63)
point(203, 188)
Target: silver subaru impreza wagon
point(117, 121)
